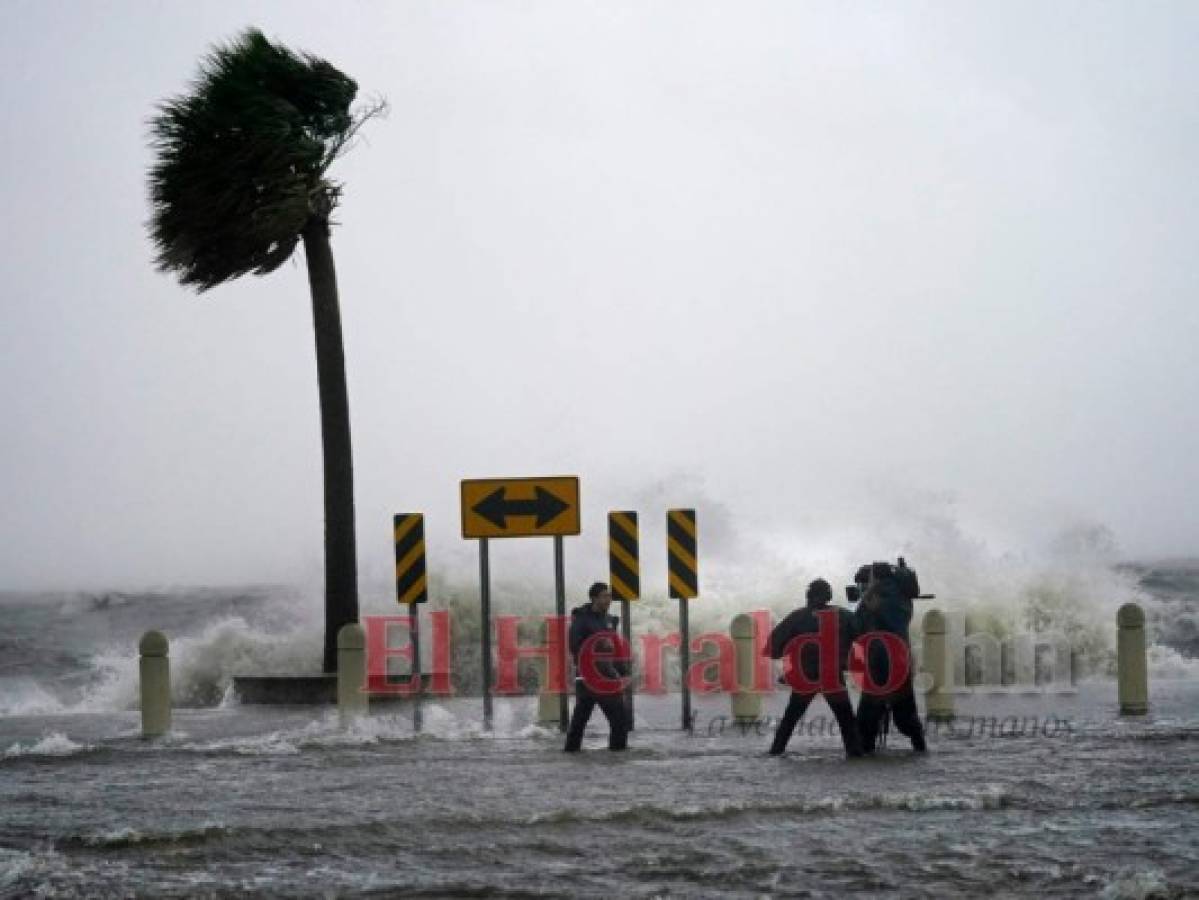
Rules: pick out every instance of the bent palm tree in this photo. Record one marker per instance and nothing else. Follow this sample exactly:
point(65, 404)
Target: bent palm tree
point(238, 181)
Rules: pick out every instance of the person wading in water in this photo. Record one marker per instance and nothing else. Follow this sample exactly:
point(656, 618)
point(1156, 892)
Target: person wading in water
point(591, 623)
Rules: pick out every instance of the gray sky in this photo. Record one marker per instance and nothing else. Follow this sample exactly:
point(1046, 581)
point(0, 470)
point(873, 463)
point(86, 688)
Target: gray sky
point(827, 268)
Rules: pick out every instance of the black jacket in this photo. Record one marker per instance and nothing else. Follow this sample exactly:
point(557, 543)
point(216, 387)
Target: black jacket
point(886, 607)
point(804, 621)
point(585, 622)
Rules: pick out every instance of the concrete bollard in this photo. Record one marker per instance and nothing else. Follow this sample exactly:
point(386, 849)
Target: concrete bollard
point(548, 711)
point(1132, 670)
point(938, 700)
point(548, 706)
point(154, 670)
point(353, 700)
point(747, 705)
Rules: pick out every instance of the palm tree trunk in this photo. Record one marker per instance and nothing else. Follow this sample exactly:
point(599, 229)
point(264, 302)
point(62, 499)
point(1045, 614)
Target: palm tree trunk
point(341, 567)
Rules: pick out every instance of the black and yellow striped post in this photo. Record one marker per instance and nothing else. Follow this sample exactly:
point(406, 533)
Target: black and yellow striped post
point(624, 574)
point(412, 586)
point(682, 566)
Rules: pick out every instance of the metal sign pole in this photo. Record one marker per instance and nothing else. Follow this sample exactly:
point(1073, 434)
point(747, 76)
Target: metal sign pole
point(626, 628)
point(412, 589)
point(485, 598)
point(624, 572)
point(560, 610)
point(682, 563)
point(685, 662)
point(417, 673)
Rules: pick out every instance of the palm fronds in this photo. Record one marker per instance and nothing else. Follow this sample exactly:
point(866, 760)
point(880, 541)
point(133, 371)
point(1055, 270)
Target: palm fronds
point(241, 159)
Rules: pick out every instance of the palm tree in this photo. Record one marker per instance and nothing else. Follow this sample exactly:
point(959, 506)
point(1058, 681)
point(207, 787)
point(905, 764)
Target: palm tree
point(238, 180)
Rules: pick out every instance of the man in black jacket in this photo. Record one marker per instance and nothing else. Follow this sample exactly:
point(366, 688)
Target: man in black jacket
point(586, 622)
point(828, 645)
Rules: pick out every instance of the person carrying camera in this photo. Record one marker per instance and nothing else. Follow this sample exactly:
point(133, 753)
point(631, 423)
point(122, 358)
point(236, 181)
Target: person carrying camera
point(886, 609)
point(816, 639)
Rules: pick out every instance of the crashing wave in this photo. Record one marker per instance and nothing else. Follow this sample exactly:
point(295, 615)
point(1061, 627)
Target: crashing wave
point(55, 744)
point(1071, 586)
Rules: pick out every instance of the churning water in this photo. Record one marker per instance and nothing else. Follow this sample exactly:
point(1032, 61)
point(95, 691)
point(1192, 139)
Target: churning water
point(1033, 794)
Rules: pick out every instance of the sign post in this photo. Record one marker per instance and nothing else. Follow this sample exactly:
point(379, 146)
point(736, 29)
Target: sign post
point(412, 589)
point(624, 574)
point(560, 611)
point(683, 577)
point(485, 610)
point(511, 508)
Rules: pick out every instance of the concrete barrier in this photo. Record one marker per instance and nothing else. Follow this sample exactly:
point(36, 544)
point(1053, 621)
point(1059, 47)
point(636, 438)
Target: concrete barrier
point(549, 707)
point(548, 710)
point(1132, 670)
point(980, 660)
point(938, 700)
point(154, 670)
point(747, 705)
point(353, 700)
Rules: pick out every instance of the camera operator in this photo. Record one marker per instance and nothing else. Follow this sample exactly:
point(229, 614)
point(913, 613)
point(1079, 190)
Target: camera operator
point(886, 606)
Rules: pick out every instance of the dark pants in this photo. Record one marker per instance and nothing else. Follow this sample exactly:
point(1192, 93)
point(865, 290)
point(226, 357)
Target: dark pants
point(838, 702)
point(904, 714)
point(613, 707)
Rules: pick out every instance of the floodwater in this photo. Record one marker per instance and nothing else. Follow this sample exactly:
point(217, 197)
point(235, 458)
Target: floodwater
point(1034, 794)
point(276, 801)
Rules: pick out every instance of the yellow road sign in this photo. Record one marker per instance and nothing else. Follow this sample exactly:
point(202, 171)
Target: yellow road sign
point(681, 556)
point(412, 582)
point(624, 563)
point(520, 507)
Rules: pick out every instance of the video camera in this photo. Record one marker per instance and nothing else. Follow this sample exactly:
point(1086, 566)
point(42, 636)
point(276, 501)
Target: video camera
point(905, 578)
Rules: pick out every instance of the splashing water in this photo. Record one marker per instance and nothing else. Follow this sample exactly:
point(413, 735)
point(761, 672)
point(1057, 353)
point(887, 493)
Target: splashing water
point(77, 653)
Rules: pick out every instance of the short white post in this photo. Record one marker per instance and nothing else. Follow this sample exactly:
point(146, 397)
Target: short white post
point(938, 700)
point(353, 699)
point(547, 709)
point(747, 705)
point(548, 706)
point(1132, 671)
point(154, 670)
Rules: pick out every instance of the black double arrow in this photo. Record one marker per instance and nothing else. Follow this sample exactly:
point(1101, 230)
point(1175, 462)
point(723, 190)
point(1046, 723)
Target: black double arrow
point(496, 508)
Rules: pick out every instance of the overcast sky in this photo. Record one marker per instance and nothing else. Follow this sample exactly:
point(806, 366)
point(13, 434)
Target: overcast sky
point(825, 267)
